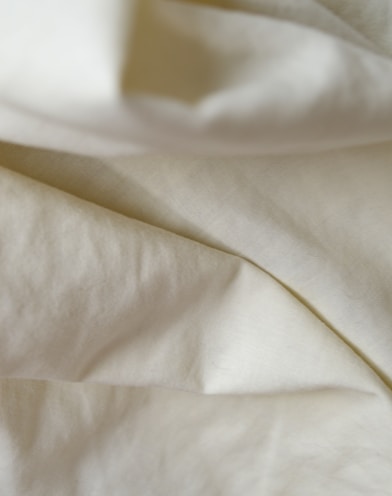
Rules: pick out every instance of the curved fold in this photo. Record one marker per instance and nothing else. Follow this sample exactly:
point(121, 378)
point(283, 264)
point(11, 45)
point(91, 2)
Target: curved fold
point(90, 295)
point(175, 76)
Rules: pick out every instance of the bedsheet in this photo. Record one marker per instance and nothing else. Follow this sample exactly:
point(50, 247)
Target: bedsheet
point(195, 248)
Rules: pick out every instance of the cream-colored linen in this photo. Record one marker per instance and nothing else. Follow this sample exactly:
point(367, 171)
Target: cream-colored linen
point(214, 318)
point(223, 77)
point(240, 278)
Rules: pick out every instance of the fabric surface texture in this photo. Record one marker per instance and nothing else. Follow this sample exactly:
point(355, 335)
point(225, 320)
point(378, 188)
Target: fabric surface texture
point(195, 248)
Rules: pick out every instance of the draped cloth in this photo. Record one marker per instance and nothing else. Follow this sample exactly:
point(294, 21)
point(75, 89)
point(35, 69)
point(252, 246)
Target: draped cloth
point(195, 247)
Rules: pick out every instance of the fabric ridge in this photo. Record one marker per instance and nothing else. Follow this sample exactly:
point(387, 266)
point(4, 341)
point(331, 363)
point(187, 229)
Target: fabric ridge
point(192, 77)
point(195, 262)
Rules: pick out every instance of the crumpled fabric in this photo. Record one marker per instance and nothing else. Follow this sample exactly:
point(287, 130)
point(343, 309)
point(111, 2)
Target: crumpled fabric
point(195, 263)
point(215, 77)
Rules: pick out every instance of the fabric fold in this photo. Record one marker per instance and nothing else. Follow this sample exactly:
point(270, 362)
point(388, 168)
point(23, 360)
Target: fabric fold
point(104, 298)
point(190, 77)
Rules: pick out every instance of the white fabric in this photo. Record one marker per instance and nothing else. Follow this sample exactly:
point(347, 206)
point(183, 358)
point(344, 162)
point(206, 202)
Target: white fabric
point(214, 318)
point(223, 77)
